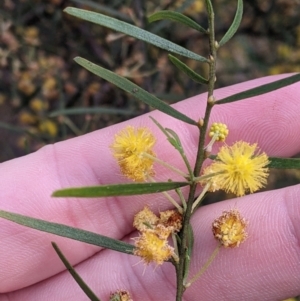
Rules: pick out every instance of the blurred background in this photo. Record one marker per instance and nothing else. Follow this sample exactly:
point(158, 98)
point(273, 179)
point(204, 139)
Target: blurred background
point(46, 97)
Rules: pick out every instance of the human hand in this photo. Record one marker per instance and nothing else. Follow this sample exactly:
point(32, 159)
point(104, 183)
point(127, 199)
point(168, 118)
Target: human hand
point(265, 267)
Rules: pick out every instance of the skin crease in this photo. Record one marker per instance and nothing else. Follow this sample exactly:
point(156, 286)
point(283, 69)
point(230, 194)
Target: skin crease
point(265, 267)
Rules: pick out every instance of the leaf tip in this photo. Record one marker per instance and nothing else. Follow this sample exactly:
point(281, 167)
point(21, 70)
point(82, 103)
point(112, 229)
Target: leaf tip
point(55, 193)
point(67, 9)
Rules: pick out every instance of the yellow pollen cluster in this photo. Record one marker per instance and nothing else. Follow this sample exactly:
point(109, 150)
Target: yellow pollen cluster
point(145, 220)
point(132, 148)
point(219, 131)
point(238, 169)
point(230, 229)
point(152, 245)
point(151, 248)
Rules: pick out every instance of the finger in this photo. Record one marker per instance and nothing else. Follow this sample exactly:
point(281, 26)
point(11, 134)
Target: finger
point(29, 181)
point(265, 267)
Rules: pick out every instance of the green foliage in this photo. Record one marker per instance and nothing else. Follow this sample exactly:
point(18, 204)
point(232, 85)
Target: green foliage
point(189, 251)
point(177, 17)
point(210, 12)
point(284, 163)
point(84, 110)
point(235, 24)
point(118, 189)
point(74, 274)
point(187, 70)
point(261, 89)
point(70, 232)
point(133, 31)
point(174, 141)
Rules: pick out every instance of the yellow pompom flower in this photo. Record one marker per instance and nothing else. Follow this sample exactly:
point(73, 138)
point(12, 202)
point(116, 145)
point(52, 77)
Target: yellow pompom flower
point(132, 148)
point(145, 220)
point(219, 131)
point(151, 248)
point(239, 168)
point(152, 244)
point(230, 228)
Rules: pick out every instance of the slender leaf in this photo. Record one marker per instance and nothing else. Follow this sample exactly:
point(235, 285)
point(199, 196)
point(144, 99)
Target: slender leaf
point(181, 8)
point(175, 138)
point(189, 250)
point(98, 110)
point(235, 24)
point(210, 9)
point(190, 239)
point(261, 89)
point(133, 31)
point(11, 127)
point(19, 129)
point(117, 189)
point(177, 17)
point(92, 296)
point(160, 127)
point(133, 89)
point(278, 163)
point(70, 232)
point(174, 141)
point(284, 163)
point(187, 70)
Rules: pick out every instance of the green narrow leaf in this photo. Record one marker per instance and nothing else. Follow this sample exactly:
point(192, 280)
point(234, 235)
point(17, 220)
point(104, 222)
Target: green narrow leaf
point(174, 141)
point(187, 70)
point(97, 110)
point(70, 232)
point(171, 139)
point(235, 24)
point(209, 8)
point(160, 127)
point(133, 89)
point(13, 128)
point(118, 189)
point(284, 163)
point(181, 8)
point(190, 239)
point(189, 250)
point(177, 17)
point(175, 137)
point(278, 163)
point(133, 31)
point(91, 295)
point(261, 89)
point(19, 129)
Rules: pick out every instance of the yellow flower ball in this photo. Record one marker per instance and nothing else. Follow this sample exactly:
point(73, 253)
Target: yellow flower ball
point(132, 148)
point(238, 169)
point(230, 228)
